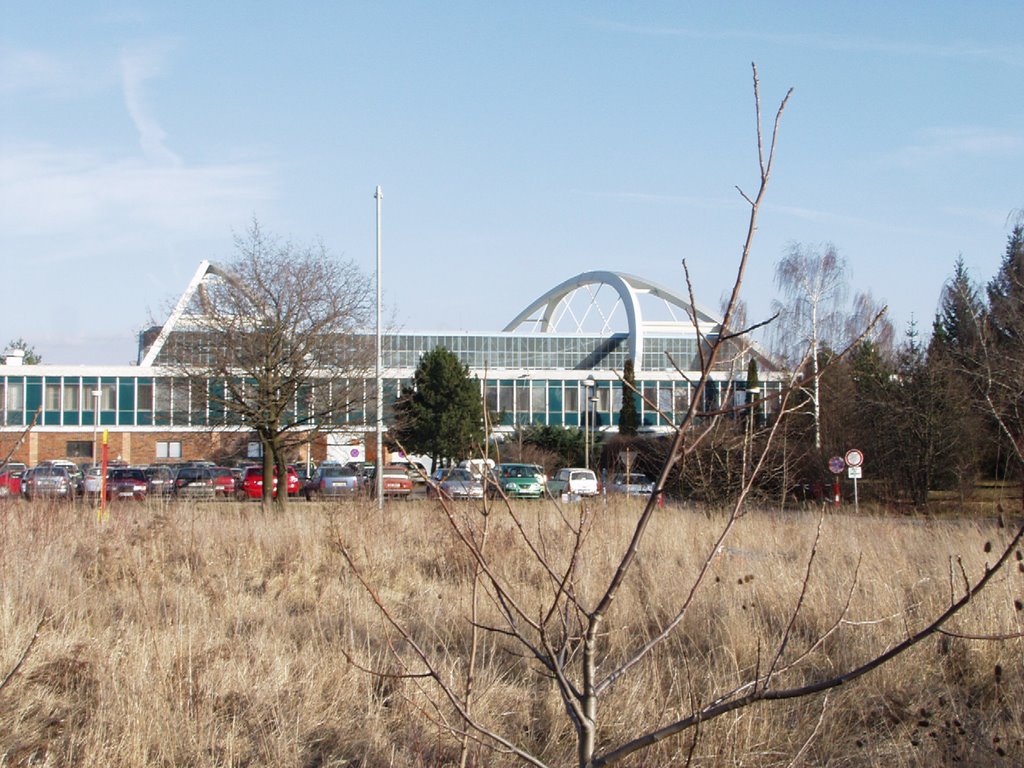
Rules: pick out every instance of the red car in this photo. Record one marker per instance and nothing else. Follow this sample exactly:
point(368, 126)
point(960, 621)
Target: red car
point(10, 479)
point(252, 483)
point(395, 481)
point(126, 483)
point(223, 482)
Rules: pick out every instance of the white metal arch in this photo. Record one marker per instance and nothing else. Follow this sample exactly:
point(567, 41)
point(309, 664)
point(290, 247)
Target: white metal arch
point(630, 289)
point(206, 271)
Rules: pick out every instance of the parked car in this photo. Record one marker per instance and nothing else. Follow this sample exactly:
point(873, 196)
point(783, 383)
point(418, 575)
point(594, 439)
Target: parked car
point(252, 483)
point(333, 480)
point(417, 473)
point(239, 474)
point(49, 481)
point(10, 479)
point(519, 481)
point(194, 482)
point(395, 481)
point(632, 484)
point(160, 480)
point(573, 480)
point(458, 483)
point(126, 483)
point(74, 472)
point(92, 486)
point(223, 482)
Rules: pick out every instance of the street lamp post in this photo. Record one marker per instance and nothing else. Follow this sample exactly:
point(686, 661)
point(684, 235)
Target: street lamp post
point(96, 394)
point(378, 475)
point(588, 385)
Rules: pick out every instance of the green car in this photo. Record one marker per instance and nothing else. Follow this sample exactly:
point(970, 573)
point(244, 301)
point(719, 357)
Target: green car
point(521, 481)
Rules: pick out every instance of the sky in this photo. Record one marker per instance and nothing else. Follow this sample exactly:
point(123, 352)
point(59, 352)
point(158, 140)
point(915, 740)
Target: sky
point(516, 144)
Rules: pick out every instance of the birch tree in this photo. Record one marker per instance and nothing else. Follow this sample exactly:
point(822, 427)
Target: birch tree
point(813, 284)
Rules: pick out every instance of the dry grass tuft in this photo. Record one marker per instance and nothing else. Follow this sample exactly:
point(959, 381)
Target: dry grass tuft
point(216, 635)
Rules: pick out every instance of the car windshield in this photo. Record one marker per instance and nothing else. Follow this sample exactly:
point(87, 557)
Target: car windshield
point(585, 475)
point(338, 472)
point(127, 474)
point(462, 475)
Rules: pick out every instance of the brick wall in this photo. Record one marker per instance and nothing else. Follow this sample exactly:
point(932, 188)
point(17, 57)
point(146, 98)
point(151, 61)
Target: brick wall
point(135, 447)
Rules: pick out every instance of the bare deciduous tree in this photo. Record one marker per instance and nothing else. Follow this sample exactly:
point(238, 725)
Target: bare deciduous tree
point(276, 344)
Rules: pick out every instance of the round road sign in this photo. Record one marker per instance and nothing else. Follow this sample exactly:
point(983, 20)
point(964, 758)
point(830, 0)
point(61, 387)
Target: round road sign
point(854, 458)
point(836, 465)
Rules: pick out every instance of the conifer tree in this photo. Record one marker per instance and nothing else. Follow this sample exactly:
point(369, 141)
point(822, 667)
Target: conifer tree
point(629, 417)
point(443, 416)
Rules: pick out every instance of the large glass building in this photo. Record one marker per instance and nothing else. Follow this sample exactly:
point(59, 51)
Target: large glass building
point(559, 362)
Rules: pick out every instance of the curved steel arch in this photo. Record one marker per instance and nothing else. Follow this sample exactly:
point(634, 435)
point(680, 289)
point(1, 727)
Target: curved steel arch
point(629, 289)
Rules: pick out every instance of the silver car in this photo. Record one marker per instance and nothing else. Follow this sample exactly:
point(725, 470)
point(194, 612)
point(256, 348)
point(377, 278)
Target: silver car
point(632, 484)
point(459, 483)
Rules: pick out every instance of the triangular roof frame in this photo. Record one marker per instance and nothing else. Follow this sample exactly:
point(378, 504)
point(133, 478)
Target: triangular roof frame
point(206, 271)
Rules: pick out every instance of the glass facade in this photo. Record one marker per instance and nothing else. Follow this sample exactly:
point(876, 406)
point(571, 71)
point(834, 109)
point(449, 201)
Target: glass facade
point(541, 351)
point(166, 401)
point(524, 379)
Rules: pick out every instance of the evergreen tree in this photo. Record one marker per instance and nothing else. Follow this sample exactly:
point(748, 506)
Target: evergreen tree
point(629, 417)
point(1001, 371)
point(443, 416)
point(955, 331)
point(1006, 291)
point(954, 364)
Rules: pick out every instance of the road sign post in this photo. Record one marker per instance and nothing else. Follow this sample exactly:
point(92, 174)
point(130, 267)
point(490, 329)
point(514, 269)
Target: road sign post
point(854, 471)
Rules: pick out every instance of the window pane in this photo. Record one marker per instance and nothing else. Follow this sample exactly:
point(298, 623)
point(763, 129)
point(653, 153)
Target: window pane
point(15, 395)
point(72, 396)
point(145, 401)
point(108, 397)
point(52, 396)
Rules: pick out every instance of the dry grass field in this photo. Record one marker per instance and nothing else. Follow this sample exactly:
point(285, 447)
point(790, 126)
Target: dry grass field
point(216, 635)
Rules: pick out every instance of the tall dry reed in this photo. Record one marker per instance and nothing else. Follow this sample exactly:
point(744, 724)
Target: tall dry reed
point(216, 635)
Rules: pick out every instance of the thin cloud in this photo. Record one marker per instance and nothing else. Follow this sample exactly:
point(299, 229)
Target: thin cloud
point(965, 141)
point(138, 65)
point(855, 223)
point(660, 198)
point(63, 192)
point(25, 71)
point(957, 49)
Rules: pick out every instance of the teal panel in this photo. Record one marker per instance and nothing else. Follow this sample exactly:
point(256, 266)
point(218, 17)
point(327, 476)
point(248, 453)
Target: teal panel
point(555, 397)
point(126, 395)
point(126, 402)
point(71, 418)
point(33, 393)
point(217, 409)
